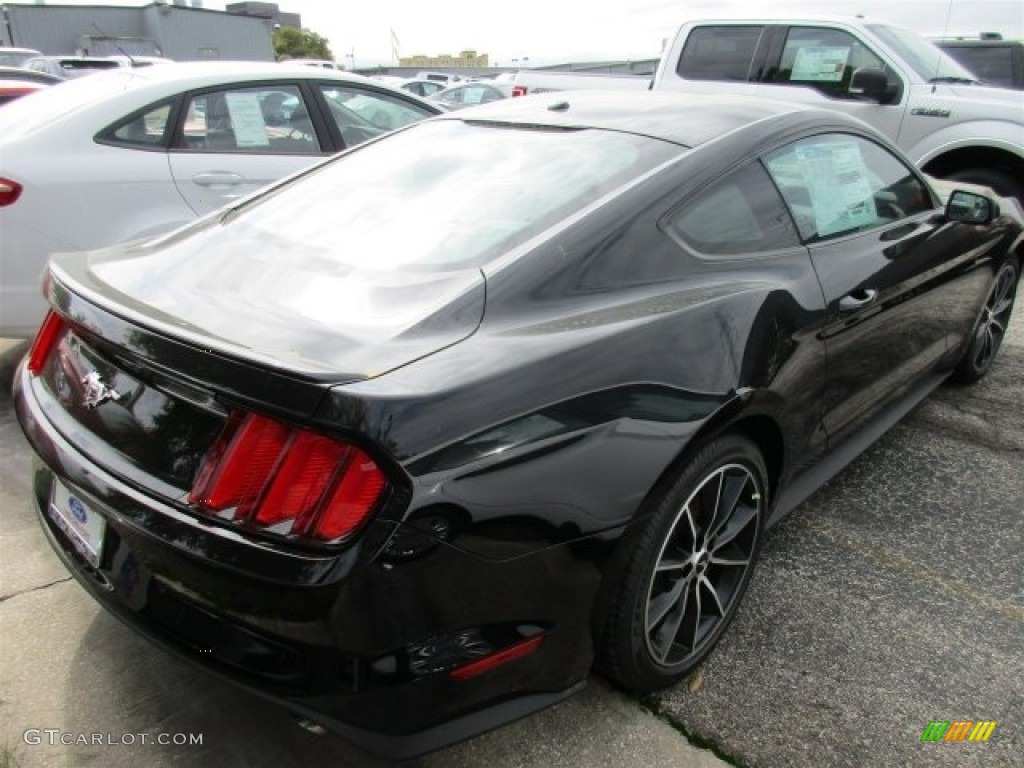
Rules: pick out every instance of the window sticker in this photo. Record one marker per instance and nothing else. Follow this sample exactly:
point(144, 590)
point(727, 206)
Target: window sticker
point(247, 120)
point(820, 63)
point(839, 186)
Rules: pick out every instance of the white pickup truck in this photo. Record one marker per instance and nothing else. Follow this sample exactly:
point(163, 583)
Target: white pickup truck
point(921, 99)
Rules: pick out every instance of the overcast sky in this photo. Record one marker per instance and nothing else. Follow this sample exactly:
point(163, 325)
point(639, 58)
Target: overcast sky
point(550, 31)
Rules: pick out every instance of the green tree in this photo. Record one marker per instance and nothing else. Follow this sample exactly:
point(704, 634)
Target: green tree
point(300, 44)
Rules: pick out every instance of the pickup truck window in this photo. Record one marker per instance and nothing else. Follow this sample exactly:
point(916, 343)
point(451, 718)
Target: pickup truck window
point(719, 53)
point(992, 63)
point(740, 214)
point(823, 59)
point(838, 184)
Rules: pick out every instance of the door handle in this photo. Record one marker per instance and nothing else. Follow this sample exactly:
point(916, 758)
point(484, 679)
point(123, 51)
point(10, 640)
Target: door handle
point(217, 179)
point(857, 299)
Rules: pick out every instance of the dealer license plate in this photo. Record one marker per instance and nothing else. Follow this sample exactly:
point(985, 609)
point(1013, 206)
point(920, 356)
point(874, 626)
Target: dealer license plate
point(83, 526)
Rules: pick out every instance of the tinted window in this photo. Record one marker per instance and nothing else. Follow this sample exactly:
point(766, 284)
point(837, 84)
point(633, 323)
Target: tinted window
point(719, 53)
point(837, 184)
point(824, 59)
point(993, 64)
point(267, 120)
point(363, 114)
point(742, 213)
point(146, 130)
point(444, 195)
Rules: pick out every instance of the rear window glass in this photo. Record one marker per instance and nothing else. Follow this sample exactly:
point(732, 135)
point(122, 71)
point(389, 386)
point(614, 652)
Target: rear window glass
point(446, 194)
point(719, 53)
point(992, 64)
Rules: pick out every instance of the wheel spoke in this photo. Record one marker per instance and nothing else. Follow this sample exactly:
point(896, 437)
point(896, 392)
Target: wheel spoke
point(1002, 305)
point(659, 607)
point(668, 631)
point(728, 560)
point(729, 497)
point(696, 618)
point(738, 522)
point(714, 593)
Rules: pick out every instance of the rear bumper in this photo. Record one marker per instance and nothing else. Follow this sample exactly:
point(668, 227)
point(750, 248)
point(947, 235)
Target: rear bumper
point(357, 641)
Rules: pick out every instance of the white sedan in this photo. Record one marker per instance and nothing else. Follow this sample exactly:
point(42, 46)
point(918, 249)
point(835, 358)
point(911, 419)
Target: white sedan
point(137, 152)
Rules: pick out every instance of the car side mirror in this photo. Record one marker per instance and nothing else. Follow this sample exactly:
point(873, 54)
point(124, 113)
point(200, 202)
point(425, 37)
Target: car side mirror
point(971, 208)
point(871, 83)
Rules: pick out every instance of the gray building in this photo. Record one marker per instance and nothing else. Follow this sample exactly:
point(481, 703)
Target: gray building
point(266, 11)
point(174, 30)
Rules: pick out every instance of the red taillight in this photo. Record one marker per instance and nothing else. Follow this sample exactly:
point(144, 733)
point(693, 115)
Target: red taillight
point(518, 90)
point(10, 191)
point(51, 329)
point(487, 663)
point(287, 480)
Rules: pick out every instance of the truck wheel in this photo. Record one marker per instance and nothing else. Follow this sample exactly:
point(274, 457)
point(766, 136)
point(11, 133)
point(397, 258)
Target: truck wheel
point(687, 568)
point(1003, 184)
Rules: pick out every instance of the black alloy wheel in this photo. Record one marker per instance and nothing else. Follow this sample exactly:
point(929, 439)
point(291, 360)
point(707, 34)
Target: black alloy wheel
point(991, 326)
point(689, 567)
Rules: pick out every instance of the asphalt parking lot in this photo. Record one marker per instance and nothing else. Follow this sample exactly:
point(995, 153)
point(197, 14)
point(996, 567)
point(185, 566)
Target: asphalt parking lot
point(893, 597)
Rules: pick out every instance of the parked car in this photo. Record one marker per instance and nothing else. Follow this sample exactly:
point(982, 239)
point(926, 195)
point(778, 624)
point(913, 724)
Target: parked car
point(322, 63)
point(471, 94)
point(445, 78)
point(15, 57)
point(890, 77)
point(20, 73)
point(70, 67)
point(13, 89)
point(407, 441)
point(995, 61)
point(157, 147)
point(124, 60)
point(422, 88)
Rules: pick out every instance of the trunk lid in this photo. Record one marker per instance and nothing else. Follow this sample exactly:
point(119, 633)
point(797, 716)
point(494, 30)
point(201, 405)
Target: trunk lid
point(270, 302)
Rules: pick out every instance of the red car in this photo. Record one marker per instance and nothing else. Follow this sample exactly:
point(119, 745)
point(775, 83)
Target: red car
point(12, 89)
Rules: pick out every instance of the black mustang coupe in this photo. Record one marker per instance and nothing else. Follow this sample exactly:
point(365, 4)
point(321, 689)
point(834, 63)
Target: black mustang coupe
point(409, 442)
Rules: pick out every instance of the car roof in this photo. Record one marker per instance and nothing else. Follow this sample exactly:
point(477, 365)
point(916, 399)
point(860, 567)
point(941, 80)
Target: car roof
point(737, 16)
point(978, 43)
point(200, 73)
point(71, 57)
point(689, 119)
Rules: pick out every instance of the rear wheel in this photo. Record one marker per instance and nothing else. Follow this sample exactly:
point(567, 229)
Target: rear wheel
point(686, 570)
point(991, 326)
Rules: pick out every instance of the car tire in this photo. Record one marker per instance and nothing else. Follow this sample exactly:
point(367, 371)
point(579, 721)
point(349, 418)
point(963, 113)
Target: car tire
point(990, 327)
point(681, 575)
point(1003, 184)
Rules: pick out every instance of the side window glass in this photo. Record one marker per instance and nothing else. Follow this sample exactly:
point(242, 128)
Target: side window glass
point(838, 184)
point(824, 59)
point(741, 214)
point(145, 130)
point(719, 53)
point(269, 120)
point(362, 115)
